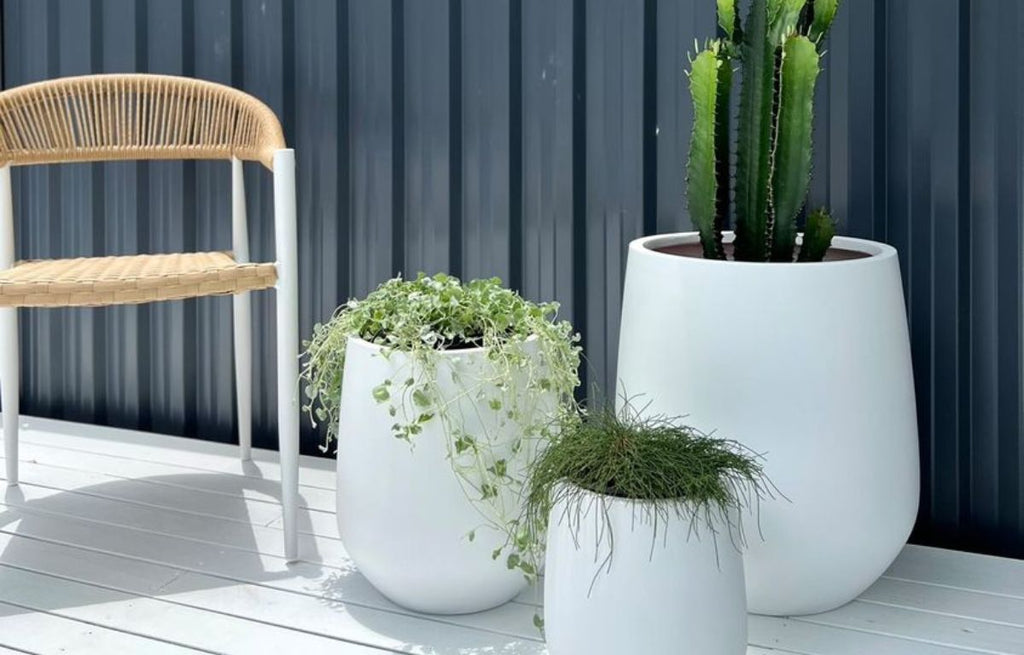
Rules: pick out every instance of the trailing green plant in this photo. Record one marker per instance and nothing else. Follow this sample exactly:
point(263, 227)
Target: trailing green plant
point(663, 467)
point(530, 355)
point(778, 48)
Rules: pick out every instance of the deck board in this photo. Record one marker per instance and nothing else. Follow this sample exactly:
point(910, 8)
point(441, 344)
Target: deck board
point(119, 541)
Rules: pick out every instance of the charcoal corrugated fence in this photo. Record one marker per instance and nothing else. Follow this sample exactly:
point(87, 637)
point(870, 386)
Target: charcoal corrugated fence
point(531, 139)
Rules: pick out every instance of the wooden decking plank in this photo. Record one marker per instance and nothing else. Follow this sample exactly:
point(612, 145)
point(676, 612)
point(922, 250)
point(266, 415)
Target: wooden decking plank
point(326, 585)
point(187, 453)
point(28, 630)
point(159, 620)
point(947, 601)
point(221, 482)
point(985, 573)
point(808, 638)
point(925, 627)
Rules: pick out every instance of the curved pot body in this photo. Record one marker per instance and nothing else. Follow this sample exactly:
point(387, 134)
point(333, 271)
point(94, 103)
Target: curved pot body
point(402, 512)
point(808, 364)
point(617, 581)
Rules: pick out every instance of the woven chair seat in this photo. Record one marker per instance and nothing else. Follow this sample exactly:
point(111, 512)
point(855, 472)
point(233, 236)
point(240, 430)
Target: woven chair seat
point(96, 281)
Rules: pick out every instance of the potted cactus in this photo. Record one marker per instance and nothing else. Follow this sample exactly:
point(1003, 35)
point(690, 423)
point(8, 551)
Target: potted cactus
point(797, 344)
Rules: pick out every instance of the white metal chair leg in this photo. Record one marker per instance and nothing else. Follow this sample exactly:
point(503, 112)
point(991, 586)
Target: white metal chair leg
point(9, 383)
point(243, 373)
point(242, 314)
point(286, 241)
point(9, 389)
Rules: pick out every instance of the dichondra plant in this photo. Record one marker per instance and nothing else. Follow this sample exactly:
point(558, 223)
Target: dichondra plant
point(778, 48)
point(530, 354)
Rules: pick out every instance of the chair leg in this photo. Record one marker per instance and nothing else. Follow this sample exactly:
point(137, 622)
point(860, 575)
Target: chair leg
point(9, 386)
point(243, 372)
point(286, 244)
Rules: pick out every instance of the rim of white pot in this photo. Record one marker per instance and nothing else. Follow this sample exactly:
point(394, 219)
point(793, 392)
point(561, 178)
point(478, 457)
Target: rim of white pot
point(874, 250)
point(450, 352)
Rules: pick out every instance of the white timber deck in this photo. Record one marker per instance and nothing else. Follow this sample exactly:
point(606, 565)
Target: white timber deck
point(123, 542)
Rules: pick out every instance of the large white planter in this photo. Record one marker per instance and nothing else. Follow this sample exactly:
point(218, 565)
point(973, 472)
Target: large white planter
point(808, 364)
point(661, 590)
point(403, 514)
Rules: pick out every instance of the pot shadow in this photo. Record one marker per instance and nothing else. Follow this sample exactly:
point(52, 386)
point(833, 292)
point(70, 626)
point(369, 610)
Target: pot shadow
point(499, 631)
point(137, 535)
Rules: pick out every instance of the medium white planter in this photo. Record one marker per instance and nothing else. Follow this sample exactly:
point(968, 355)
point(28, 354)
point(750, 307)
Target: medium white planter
point(618, 582)
point(808, 364)
point(402, 512)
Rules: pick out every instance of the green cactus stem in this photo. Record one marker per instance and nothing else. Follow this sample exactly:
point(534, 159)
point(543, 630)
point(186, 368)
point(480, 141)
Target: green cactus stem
point(753, 154)
point(727, 17)
point(723, 148)
point(701, 174)
point(824, 14)
point(818, 235)
point(792, 163)
point(784, 16)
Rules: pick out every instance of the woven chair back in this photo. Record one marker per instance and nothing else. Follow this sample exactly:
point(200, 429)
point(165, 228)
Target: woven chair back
point(111, 117)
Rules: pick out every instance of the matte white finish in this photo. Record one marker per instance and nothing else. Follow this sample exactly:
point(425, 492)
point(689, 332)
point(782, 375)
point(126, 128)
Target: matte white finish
point(63, 524)
point(9, 359)
point(808, 364)
point(286, 245)
point(242, 314)
point(648, 586)
point(402, 511)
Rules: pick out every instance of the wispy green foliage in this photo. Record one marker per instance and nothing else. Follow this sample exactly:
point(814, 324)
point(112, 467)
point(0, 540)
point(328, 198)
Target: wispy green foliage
point(663, 466)
point(421, 318)
point(779, 48)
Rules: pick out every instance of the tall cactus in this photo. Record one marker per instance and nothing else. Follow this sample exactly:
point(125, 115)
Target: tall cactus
point(779, 50)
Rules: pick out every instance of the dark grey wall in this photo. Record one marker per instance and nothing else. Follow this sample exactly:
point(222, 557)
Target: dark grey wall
point(530, 139)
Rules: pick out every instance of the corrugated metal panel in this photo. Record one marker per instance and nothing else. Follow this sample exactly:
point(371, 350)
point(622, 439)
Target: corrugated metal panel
point(530, 139)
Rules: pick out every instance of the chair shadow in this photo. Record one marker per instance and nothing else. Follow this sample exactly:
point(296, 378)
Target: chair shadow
point(108, 536)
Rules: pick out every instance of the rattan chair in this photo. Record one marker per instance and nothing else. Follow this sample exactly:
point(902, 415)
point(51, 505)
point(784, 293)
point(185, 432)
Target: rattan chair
point(126, 117)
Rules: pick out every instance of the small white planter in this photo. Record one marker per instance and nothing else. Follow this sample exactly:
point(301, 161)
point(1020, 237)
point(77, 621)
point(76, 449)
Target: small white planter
point(642, 588)
point(808, 364)
point(402, 512)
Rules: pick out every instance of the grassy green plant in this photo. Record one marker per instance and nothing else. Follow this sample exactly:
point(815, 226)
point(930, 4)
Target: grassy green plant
point(778, 48)
point(421, 318)
point(663, 467)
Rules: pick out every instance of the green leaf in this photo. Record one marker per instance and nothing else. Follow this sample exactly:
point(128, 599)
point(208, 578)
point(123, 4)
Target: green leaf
point(420, 398)
point(472, 535)
point(381, 393)
point(701, 181)
point(753, 161)
point(496, 554)
point(538, 622)
point(792, 170)
point(512, 561)
point(494, 404)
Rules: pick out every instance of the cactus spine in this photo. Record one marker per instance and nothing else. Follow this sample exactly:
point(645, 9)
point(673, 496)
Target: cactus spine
point(778, 48)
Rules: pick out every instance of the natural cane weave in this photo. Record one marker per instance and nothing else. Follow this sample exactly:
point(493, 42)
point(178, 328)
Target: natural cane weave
point(106, 117)
point(95, 281)
point(110, 117)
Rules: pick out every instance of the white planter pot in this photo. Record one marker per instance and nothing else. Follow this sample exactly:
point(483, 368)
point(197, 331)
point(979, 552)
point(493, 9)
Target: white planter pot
point(808, 364)
point(662, 591)
point(402, 512)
